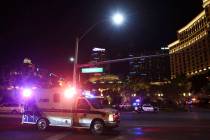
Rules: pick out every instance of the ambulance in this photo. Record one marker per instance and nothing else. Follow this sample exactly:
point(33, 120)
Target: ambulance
point(65, 108)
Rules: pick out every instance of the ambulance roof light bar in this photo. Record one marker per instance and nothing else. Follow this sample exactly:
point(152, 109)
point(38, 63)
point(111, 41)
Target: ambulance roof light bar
point(27, 92)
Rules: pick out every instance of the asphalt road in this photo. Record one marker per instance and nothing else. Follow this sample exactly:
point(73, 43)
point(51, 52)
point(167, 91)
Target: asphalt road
point(145, 126)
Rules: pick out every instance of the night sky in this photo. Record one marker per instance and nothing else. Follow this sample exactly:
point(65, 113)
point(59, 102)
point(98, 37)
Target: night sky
point(45, 31)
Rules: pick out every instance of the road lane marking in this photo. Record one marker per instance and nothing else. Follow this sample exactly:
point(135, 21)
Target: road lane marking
point(57, 137)
point(118, 138)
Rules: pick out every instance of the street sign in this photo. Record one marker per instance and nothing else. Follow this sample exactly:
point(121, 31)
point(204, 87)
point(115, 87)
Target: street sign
point(92, 70)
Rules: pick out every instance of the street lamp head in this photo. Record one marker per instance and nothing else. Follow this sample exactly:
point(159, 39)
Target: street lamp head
point(71, 59)
point(118, 18)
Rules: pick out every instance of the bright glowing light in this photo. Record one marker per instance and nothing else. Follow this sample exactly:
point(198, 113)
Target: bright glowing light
point(70, 92)
point(60, 84)
point(118, 18)
point(138, 100)
point(193, 99)
point(134, 104)
point(71, 59)
point(137, 131)
point(98, 49)
point(27, 92)
point(27, 61)
point(111, 117)
point(134, 95)
point(88, 94)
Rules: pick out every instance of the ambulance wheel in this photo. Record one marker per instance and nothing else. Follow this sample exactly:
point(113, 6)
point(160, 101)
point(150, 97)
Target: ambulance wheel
point(42, 124)
point(97, 127)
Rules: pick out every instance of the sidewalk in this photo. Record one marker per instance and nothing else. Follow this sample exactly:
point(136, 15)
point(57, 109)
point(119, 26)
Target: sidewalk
point(198, 109)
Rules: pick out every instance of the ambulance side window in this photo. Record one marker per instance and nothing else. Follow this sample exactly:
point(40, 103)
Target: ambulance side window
point(56, 98)
point(82, 104)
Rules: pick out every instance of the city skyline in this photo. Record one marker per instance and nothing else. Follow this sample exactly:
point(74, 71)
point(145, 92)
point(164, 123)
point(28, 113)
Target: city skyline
point(46, 32)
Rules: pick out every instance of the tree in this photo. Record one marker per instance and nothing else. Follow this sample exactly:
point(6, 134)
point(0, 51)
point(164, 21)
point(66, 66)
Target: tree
point(177, 86)
point(199, 82)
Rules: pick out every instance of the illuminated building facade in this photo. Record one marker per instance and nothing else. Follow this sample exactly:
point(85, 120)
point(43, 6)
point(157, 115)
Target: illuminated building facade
point(98, 55)
point(151, 69)
point(190, 53)
point(134, 67)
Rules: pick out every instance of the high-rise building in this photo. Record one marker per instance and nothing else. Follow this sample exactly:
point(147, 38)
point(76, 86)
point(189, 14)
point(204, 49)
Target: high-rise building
point(151, 68)
point(98, 55)
point(190, 53)
point(134, 70)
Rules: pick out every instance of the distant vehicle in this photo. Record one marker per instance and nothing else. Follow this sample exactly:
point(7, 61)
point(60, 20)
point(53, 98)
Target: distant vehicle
point(146, 108)
point(13, 108)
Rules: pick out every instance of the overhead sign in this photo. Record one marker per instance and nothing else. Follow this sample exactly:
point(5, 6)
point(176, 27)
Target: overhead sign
point(92, 70)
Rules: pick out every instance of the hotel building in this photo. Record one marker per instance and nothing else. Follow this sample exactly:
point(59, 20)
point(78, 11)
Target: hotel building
point(190, 53)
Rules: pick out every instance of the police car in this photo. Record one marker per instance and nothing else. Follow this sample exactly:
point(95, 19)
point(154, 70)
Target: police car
point(146, 108)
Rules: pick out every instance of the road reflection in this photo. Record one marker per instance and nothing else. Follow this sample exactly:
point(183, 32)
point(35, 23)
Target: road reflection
point(136, 131)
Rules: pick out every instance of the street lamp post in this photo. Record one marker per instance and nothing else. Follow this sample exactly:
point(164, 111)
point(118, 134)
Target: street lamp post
point(75, 63)
point(71, 59)
point(117, 19)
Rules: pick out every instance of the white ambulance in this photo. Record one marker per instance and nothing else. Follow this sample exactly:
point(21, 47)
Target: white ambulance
point(62, 107)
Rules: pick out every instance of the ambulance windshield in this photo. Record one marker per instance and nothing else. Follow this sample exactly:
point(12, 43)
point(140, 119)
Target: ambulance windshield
point(97, 103)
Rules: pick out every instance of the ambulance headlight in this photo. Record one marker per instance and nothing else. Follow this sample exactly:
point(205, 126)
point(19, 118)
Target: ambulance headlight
point(27, 92)
point(111, 117)
point(70, 92)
